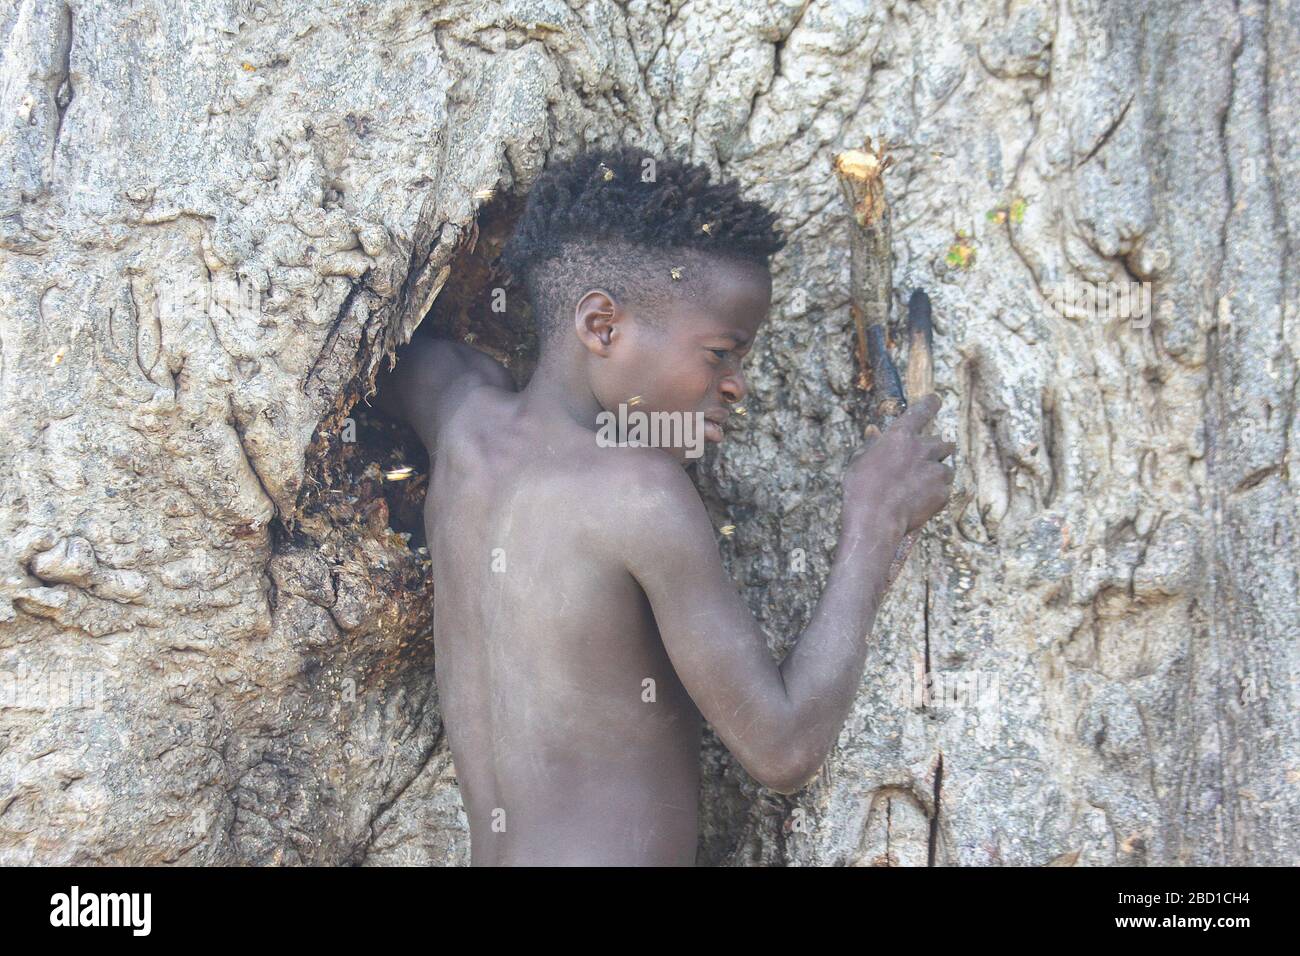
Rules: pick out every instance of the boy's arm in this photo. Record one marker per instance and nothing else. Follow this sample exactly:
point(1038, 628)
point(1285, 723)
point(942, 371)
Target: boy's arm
point(781, 722)
point(430, 379)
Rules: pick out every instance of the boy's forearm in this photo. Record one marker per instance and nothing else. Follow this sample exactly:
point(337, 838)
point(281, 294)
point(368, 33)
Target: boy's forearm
point(823, 670)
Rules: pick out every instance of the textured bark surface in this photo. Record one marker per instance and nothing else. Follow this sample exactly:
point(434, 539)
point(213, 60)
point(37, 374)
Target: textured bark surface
point(194, 546)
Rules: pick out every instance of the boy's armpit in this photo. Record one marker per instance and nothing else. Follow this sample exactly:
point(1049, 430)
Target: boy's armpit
point(668, 544)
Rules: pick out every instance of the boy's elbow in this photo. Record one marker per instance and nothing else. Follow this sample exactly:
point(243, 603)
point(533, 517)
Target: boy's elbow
point(790, 783)
point(783, 786)
point(788, 771)
point(786, 755)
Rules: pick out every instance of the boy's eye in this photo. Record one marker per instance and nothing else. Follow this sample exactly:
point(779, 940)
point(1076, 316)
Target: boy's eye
point(721, 353)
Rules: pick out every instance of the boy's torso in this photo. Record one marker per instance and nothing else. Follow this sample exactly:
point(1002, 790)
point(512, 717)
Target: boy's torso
point(572, 737)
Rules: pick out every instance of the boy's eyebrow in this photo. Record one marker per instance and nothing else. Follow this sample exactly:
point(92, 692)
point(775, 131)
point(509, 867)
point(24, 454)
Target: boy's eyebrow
point(738, 338)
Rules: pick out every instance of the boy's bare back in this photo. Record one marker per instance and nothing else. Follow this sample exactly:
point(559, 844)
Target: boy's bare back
point(573, 739)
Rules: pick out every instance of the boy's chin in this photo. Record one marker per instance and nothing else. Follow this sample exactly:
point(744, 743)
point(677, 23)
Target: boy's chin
point(688, 456)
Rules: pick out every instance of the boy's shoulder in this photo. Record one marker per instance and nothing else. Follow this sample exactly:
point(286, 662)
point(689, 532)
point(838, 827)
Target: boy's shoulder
point(645, 493)
point(622, 487)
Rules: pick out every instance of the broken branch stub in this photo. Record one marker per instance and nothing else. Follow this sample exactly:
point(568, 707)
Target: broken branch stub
point(861, 177)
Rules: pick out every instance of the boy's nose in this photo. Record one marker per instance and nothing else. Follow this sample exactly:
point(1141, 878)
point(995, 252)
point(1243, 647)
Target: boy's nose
point(733, 388)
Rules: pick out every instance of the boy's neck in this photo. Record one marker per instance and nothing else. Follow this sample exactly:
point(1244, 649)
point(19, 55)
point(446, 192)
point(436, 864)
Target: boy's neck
point(559, 391)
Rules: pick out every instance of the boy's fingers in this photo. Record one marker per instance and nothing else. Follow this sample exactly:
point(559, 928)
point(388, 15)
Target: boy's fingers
point(937, 449)
point(945, 472)
point(919, 414)
point(869, 436)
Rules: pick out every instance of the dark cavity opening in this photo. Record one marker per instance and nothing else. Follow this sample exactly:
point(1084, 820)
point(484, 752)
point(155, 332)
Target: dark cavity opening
point(375, 465)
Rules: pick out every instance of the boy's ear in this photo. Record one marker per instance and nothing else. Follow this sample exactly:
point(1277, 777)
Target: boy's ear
point(596, 321)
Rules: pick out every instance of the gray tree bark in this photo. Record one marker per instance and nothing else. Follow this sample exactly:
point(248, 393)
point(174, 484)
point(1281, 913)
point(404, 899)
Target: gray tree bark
point(218, 217)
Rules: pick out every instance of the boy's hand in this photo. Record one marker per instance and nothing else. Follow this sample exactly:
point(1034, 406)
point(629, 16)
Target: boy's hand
point(899, 474)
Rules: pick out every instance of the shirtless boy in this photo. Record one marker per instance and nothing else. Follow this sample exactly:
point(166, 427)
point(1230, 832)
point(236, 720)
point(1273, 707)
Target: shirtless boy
point(583, 621)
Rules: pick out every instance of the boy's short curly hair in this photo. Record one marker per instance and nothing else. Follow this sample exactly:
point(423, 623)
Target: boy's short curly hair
point(623, 220)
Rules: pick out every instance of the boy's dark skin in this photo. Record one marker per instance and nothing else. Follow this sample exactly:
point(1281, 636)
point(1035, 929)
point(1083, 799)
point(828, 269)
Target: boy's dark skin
point(565, 754)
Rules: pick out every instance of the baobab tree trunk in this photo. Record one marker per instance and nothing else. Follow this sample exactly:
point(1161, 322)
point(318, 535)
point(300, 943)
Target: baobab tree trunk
point(219, 217)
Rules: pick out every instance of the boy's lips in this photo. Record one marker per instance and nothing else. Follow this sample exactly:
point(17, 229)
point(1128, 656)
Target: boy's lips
point(713, 429)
